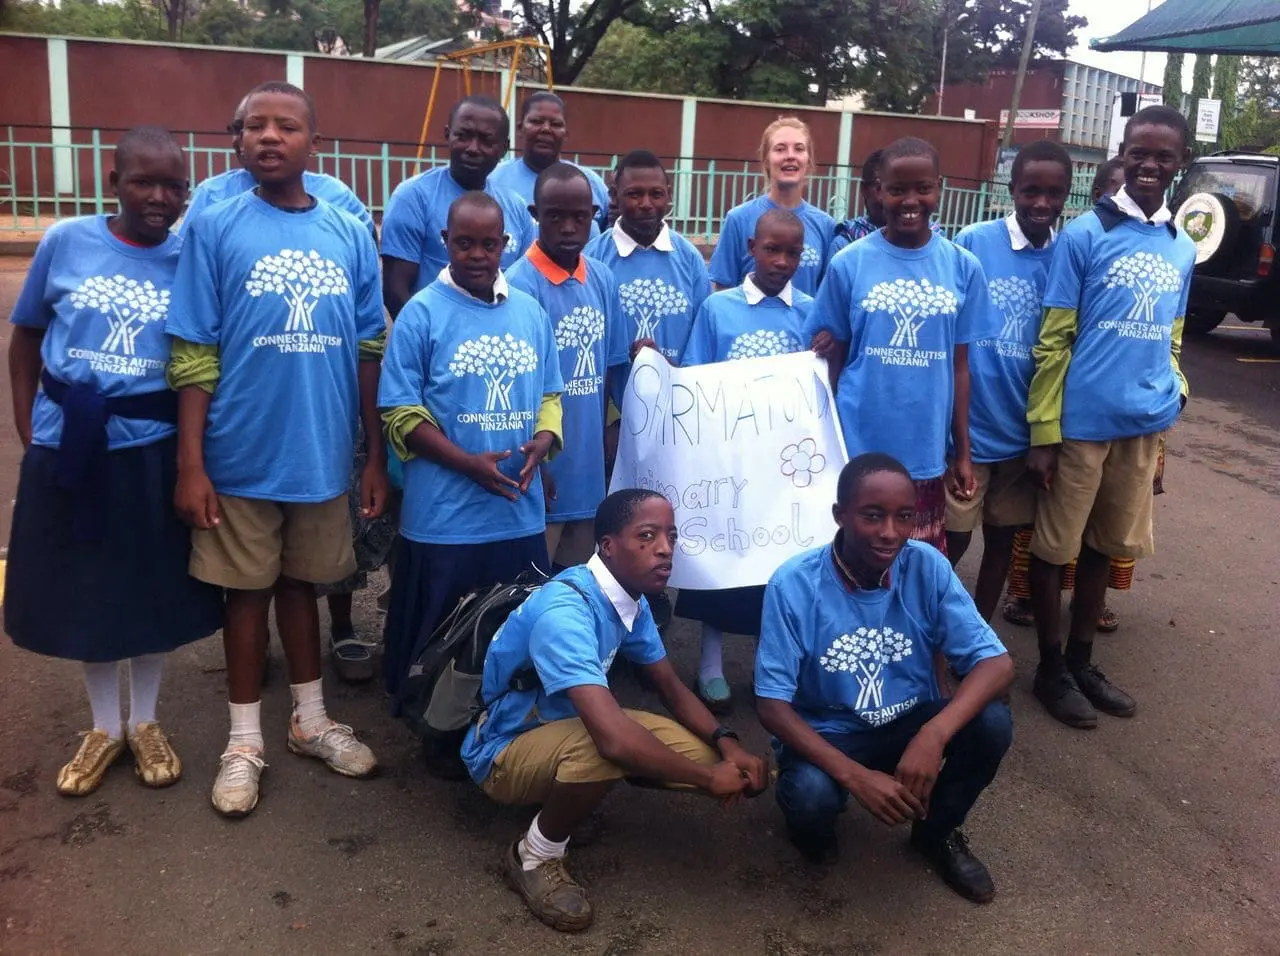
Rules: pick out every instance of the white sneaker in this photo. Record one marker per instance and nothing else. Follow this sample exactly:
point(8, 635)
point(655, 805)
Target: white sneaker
point(338, 747)
point(235, 790)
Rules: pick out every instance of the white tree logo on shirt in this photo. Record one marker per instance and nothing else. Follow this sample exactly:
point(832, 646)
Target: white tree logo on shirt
point(649, 301)
point(864, 654)
point(763, 342)
point(1017, 301)
point(128, 304)
point(301, 279)
point(498, 360)
point(910, 302)
point(1148, 276)
point(581, 329)
point(810, 257)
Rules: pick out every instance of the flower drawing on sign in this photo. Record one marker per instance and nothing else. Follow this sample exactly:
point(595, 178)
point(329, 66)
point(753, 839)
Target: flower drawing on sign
point(910, 302)
point(649, 301)
point(1147, 276)
point(301, 279)
point(1017, 301)
point(810, 256)
point(801, 461)
point(128, 304)
point(763, 342)
point(498, 360)
point(864, 654)
point(581, 329)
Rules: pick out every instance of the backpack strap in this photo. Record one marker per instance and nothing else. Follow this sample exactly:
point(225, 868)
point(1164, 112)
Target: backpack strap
point(526, 678)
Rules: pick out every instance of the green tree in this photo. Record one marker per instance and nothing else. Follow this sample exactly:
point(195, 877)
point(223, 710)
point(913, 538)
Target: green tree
point(572, 30)
point(1172, 85)
point(129, 19)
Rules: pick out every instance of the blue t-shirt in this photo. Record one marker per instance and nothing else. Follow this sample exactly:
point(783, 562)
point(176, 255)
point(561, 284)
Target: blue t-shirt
point(731, 262)
point(286, 297)
point(102, 303)
point(902, 313)
point(418, 211)
point(1001, 366)
point(850, 660)
point(660, 291)
point(517, 175)
point(729, 327)
point(1127, 285)
point(570, 639)
point(233, 182)
point(480, 369)
point(591, 339)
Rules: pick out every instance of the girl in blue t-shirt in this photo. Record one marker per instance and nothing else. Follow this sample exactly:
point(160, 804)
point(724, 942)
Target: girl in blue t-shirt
point(97, 568)
point(764, 316)
point(786, 158)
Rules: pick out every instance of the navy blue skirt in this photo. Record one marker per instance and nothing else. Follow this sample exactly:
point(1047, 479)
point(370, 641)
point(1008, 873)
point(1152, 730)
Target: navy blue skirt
point(735, 610)
point(429, 581)
point(124, 592)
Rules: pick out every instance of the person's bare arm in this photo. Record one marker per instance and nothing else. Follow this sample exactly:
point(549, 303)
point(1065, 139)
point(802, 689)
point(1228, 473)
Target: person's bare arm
point(963, 482)
point(432, 444)
point(374, 484)
point(194, 497)
point(24, 375)
point(398, 279)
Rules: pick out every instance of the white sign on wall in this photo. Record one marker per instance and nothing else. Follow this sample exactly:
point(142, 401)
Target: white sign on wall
point(1033, 119)
point(1208, 114)
point(748, 453)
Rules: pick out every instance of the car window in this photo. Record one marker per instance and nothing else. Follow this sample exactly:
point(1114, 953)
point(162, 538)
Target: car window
point(1251, 188)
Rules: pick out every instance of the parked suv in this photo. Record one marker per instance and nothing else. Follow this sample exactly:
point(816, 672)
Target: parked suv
point(1227, 204)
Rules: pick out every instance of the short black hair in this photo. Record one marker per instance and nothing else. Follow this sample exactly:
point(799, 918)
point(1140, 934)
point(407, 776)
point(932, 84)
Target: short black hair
point(617, 510)
point(1159, 115)
point(236, 125)
point(1104, 173)
point(909, 146)
point(542, 96)
point(862, 467)
point(558, 172)
point(286, 89)
point(142, 138)
point(475, 199)
point(871, 166)
point(483, 101)
point(1042, 150)
point(638, 159)
point(778, 217)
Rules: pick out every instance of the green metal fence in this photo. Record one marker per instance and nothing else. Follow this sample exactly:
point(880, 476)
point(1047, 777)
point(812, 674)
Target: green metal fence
point(42, 181)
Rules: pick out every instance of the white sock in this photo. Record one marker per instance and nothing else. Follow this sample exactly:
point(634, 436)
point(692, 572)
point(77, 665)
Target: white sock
point(535, 849)
point(102, 683)
point(308, 708)
point(712, 663)
point(246, 727)
point(144, 688)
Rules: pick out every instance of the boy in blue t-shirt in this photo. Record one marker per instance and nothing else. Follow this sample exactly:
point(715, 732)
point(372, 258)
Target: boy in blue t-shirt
point(277, 332)
point(413, 245)
point(894, 319)
point(471, 403)
point(1107, 385)
point(872, 218)
point(580, 297)
point(544, 128)
point(1015, 254)
point(845, 682)
point(554, 735)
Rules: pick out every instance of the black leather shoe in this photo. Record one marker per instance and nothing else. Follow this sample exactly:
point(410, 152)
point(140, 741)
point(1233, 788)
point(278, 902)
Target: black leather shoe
point(821, 850)
point(958, 867)
point(1057, 690)
point(1103, 694)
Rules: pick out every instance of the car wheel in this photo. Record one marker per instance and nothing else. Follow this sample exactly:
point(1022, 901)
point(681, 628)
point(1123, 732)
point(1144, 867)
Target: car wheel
point(1203, 322)
point(1212, 221)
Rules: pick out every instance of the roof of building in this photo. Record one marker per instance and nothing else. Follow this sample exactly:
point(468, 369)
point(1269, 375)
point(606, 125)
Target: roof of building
point(1248, 27)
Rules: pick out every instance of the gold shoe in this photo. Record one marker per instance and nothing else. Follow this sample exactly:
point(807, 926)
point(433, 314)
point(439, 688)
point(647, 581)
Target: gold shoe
point(154, 760)
point(82, 775)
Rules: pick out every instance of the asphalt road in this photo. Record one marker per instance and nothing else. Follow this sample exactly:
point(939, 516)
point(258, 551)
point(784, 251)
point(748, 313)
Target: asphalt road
point(1155, 835)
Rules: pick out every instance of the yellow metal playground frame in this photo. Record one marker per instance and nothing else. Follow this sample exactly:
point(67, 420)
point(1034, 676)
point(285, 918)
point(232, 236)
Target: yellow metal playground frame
point(464, 57)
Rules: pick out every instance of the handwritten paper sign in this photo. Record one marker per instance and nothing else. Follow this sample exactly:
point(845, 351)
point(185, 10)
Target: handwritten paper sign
point(747, 452)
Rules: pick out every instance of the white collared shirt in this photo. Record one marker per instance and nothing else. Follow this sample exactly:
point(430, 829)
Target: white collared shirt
point(1134, 211)
point(626, 245)
point(755, 295)
point(628, 608)
point(500, 289)
point(1018, 239)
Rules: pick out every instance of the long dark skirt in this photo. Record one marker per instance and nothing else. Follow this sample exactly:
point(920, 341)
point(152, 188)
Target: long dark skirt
point(123, 593)
point(429, 581)
point(736, 610)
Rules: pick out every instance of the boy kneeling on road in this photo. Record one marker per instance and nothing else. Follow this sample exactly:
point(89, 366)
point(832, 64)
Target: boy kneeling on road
point(565, 741)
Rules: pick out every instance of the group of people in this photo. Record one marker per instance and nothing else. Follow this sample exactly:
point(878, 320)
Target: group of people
point(191, 404)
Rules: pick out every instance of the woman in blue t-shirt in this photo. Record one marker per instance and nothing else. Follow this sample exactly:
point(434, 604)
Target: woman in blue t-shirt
point(97, 567)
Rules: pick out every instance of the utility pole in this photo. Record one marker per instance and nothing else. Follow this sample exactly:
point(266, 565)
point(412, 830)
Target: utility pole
point(1028, 44)
point(942, 74)
point(1142, 64)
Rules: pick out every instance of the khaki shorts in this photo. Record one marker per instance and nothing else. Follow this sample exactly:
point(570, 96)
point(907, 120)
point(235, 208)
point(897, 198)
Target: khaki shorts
point(258, 541)
point(563, 752)
point(1005, 497)
point(571, 542)
point(1101, 494)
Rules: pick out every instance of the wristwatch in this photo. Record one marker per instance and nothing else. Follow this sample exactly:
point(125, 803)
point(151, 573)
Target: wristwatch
point(722, 732)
